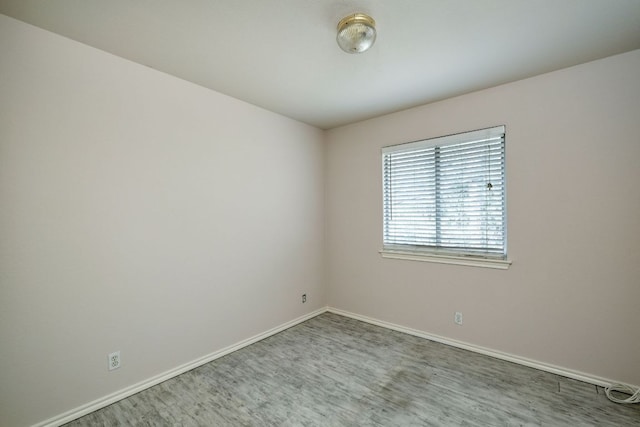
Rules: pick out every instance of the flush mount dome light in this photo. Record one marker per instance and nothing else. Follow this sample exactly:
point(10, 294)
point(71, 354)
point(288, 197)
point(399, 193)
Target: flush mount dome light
point(356, 33)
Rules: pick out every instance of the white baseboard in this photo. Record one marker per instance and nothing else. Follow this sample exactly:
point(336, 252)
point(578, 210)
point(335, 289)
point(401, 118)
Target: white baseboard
point(580, 376)
point(136, 388)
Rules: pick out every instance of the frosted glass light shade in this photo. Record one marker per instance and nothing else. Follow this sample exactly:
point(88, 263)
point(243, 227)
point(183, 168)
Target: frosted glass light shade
point(356, 33)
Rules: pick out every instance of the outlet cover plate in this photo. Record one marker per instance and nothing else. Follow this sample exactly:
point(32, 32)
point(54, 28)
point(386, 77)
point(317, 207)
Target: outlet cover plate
point(114, 360)
point(458, 318)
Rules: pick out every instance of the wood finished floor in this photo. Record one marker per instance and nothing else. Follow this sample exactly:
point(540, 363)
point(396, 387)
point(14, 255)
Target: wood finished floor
point(336, 371)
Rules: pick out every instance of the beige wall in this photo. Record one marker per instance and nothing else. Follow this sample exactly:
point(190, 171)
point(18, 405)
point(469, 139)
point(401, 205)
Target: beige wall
point(124, 223)
point(139, 213)
point(572, 295)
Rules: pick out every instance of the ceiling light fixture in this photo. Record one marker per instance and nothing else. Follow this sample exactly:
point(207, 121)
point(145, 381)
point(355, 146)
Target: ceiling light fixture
point(356, 33)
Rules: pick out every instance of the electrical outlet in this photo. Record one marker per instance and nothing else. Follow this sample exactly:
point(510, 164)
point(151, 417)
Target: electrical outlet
point(114, 360)
point(458, 318)
point(304, 298)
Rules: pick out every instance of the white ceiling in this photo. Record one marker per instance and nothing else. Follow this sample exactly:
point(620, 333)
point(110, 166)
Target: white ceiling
point(282, 54)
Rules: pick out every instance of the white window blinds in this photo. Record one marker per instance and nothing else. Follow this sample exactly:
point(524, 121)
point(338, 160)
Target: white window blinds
point(446, 195)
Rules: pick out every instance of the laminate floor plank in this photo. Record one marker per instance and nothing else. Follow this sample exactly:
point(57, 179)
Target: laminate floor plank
point(336, 371)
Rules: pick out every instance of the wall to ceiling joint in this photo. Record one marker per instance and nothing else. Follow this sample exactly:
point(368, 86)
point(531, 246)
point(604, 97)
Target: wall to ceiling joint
point(149, 215)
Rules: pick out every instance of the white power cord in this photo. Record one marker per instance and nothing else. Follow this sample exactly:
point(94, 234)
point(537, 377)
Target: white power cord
point(634, 398)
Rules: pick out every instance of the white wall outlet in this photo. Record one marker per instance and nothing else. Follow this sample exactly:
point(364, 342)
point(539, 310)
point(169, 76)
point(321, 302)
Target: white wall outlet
point(114, 360)
point(304, 298)
point(457, 318)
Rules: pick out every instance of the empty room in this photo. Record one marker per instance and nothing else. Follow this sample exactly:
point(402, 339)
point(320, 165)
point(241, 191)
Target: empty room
point(319, 213)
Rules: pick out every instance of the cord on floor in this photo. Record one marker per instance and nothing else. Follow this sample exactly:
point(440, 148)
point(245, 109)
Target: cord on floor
point(634, 398)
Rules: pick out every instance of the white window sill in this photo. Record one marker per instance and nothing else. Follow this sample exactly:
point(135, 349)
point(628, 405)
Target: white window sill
point(469, 261)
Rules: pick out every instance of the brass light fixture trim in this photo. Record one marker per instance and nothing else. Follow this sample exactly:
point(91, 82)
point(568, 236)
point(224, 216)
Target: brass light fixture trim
point(356, 33)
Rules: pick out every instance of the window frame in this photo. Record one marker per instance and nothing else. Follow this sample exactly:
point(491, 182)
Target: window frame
point(437, 253)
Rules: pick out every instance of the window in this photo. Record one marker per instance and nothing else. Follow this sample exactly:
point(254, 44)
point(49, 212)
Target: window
point(444, 198)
